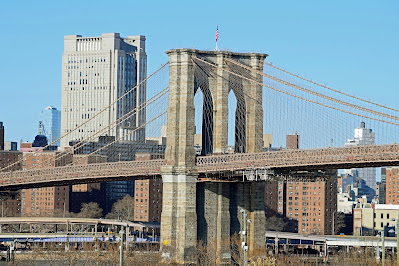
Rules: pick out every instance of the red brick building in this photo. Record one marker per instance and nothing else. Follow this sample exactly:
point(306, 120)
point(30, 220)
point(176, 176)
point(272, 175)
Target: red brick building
point(148, 200)
point(10, 202)
point(46, 201)
point(392, 186)
point(311, 205)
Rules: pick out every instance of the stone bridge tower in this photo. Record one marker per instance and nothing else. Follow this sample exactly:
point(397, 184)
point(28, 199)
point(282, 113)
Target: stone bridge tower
point(182, 198)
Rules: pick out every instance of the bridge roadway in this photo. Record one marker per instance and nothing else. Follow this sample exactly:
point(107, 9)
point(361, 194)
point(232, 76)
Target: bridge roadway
point(298, 160)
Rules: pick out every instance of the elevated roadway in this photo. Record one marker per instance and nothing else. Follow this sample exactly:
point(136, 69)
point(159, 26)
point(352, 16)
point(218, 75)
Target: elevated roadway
point(295, 160)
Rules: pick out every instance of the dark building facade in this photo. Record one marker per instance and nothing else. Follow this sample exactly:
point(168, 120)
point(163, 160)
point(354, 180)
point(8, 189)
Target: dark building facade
point(1, 136)
point(120, 151)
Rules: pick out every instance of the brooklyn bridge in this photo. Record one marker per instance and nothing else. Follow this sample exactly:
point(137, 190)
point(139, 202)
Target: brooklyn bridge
point(222, 97)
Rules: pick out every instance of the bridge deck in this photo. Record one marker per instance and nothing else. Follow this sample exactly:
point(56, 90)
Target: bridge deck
point(306, 159)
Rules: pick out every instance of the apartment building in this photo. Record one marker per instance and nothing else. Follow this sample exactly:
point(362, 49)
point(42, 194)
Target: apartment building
point(391, 185)
point(310, 206)
point(45, 201)
point(148, 200)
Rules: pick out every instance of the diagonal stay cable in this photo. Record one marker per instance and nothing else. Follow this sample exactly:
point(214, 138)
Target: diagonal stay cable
point(117, 122)
point(141, 126)
point(97, 114)
point(331, 89)
point(315, 93)
point(296, 96)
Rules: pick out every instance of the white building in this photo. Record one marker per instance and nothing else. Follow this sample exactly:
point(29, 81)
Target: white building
point(50, 125)
point(96, 71)
point(344, 203)
point(365, 136)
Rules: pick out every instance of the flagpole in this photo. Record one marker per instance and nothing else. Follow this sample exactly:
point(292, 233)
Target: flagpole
point(217, 37)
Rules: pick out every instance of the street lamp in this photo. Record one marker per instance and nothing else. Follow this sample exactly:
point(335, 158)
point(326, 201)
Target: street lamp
point(397, 239)
point(381, 235)
point(244, 236)
point(333, 222)
point(121, 232)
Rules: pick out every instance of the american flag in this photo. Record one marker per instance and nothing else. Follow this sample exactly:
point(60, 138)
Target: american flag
point(217, 34)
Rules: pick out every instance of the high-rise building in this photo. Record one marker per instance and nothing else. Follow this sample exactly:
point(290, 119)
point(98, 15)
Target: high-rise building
point(46, 201)
point(50, 124)
point(148, 200)
point(96, 71)
point(367, 176)
point(1, 136)
point(310, 207)
point(391, 184)
point(11, 159)
point(10, 200)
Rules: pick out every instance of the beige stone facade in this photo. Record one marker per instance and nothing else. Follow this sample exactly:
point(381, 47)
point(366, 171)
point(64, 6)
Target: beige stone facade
point(96, 71)
point(370, 218)
point(179, 175)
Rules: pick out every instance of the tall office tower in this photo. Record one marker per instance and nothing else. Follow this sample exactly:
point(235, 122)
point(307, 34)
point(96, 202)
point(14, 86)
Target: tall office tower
point(1, 136)
point(367, 176)
point(96, 71)
point(50, 124)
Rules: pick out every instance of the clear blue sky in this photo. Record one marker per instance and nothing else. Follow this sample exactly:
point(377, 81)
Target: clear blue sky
point(349, 45)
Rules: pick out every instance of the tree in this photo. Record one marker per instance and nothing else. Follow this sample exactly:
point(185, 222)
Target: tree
point(123, 209)
point(90, 210)
point(340, 226)
point(275, 223)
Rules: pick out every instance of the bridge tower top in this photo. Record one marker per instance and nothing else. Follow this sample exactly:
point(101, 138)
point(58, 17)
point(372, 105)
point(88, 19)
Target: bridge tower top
point(186, 77)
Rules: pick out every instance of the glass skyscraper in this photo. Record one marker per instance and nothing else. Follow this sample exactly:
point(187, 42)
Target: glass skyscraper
point(50, 124)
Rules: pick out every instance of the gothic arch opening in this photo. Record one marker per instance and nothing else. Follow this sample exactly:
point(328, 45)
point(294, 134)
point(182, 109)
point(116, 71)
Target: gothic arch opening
point(237, 117)
point(203, 103)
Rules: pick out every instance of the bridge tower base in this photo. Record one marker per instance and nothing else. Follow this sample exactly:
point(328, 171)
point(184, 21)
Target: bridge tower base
point(179, 219)
point(220, 207)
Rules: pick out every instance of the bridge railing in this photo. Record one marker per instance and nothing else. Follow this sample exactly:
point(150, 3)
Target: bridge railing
point(345, 157)
point(299, 158)
point(131, 168)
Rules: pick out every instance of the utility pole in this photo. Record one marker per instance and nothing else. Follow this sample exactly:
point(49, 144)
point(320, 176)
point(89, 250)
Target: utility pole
point(397, 241)
point(121, 247)
point(244, 237)
point(383, 247)
point(333, 223)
